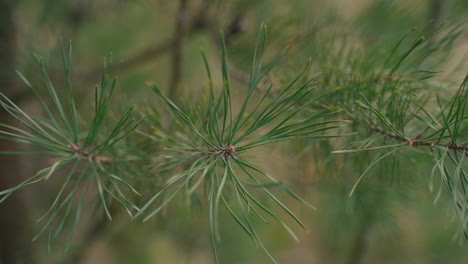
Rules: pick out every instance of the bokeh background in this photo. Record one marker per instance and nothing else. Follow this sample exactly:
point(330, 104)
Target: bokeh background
point(396, 219)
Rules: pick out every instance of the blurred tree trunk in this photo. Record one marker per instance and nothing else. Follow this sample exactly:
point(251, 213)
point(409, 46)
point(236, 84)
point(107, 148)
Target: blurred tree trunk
point(14, 241)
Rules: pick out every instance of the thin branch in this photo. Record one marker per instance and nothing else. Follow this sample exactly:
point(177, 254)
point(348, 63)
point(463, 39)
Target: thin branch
point(415, 142)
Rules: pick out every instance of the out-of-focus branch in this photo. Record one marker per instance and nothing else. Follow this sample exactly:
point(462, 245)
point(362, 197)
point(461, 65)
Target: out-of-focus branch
point(177, 52)
point(199, 22)
point(195, 24)
point(77, 15)
point(143, 57)
point(437, 10)
point(237, 26)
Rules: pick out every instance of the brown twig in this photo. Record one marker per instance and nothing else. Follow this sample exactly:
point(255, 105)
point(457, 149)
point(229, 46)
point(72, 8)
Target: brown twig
point(78, 150)
point(415, 141)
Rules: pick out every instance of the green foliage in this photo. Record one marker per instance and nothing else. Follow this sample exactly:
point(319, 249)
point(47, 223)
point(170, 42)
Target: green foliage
point(212, 142)
point(396, 107)
point(77, 152)
point(378, 80)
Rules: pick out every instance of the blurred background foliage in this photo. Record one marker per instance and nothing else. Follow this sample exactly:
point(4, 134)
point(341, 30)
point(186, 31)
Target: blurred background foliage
point(394, 216)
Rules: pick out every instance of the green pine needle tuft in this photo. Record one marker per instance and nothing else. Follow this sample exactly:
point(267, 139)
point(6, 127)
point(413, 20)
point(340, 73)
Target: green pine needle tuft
point(211, 141)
